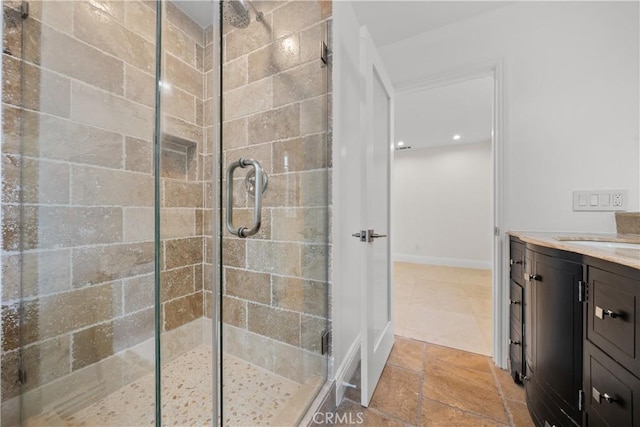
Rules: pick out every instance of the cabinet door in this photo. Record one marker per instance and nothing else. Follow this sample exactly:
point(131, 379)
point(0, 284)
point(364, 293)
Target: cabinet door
point(558, 331)
point(528, 312)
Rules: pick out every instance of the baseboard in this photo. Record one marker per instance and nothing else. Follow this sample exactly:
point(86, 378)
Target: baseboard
point(347, 369)
point(448, 262)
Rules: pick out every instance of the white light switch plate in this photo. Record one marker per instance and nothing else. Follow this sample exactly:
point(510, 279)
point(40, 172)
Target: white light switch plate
point(600, 200)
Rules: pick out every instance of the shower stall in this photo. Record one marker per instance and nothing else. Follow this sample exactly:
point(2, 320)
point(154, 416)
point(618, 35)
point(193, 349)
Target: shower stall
point(165, 212)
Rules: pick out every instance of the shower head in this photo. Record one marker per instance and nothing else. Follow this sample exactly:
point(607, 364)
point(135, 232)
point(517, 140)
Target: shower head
point(236, 13)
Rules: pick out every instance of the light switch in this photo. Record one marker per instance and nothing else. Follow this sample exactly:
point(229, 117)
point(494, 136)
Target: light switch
point(600, 200)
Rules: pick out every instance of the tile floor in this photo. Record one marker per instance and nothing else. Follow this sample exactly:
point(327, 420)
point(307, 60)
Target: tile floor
point(253, 396)
point(429, 385)
point(449, 306)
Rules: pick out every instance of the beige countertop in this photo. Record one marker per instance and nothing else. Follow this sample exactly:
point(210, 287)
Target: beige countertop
point(563, 241)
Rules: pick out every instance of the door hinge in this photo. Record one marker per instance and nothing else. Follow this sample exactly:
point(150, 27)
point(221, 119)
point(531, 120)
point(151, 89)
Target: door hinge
point(582, 291)
point(24, 10)
point(580, 400)
point(22, 376)
point(324, 342)
point(324, 53)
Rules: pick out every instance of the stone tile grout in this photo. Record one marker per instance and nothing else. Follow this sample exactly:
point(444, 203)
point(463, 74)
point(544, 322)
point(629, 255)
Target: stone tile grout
point(502, 397)
point(422, 380)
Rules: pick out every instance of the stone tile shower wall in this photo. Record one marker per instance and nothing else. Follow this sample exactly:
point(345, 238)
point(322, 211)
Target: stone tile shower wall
point(275, 110)
point(185, 170)
point(86, 162)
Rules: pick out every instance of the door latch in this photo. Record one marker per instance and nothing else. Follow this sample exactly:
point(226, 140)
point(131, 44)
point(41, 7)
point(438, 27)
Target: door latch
point(362, 235)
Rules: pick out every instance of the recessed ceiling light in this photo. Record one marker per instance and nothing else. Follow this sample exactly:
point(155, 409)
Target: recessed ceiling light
point(456, 137)
point(400, 143)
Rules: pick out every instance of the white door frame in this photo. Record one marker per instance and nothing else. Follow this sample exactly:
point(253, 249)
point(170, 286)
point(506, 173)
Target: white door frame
point(500, 285)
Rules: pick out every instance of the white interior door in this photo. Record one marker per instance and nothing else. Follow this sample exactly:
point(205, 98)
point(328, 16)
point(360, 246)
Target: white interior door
point(377, 278)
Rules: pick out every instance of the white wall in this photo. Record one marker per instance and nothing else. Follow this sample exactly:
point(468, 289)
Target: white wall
point(571, 71)
point(443, 205)
point(345, 268)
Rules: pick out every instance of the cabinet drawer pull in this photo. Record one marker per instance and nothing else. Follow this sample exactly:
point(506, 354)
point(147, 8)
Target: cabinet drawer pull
point(529, 277)
point(511, 262)
point(598, 397)
point(514, 342)
point(514, 302)
point(601, 313)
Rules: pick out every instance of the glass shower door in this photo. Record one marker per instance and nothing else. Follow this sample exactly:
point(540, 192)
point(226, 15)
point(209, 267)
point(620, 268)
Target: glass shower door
point(275, 248)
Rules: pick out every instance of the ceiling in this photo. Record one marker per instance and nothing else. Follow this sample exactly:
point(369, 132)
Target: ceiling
point(200, 11)
point(431, 118)
point(391, 21)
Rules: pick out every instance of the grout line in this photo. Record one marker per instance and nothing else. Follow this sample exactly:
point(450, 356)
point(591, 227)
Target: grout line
point(498, 385)
point(422, 381)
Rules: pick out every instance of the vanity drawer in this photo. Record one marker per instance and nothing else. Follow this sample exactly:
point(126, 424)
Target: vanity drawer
point(611, 392)
point(612, 318)
point(515, 302)
point(515, 352)
point(516, 261)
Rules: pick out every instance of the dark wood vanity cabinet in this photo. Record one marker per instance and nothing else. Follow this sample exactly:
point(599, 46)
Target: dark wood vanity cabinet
point(580, 337)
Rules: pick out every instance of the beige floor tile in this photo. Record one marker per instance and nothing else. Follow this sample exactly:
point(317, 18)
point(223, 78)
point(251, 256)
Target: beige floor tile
point(474, 274)
point(447, 305)
point(457, 330)
point(481, 307)
point(401, 313)
point(440, 273)
point(403, 298)
point(474, 290)
point(447, 300)
point(486, 326)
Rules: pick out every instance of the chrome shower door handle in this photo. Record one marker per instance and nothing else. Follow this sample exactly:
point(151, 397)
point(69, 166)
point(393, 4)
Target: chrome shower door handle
point(257, 208)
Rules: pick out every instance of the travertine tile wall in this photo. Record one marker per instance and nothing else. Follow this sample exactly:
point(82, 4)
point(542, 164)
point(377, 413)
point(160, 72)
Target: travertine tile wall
point(184, 170)
point(83, 148)
point(275, 111)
